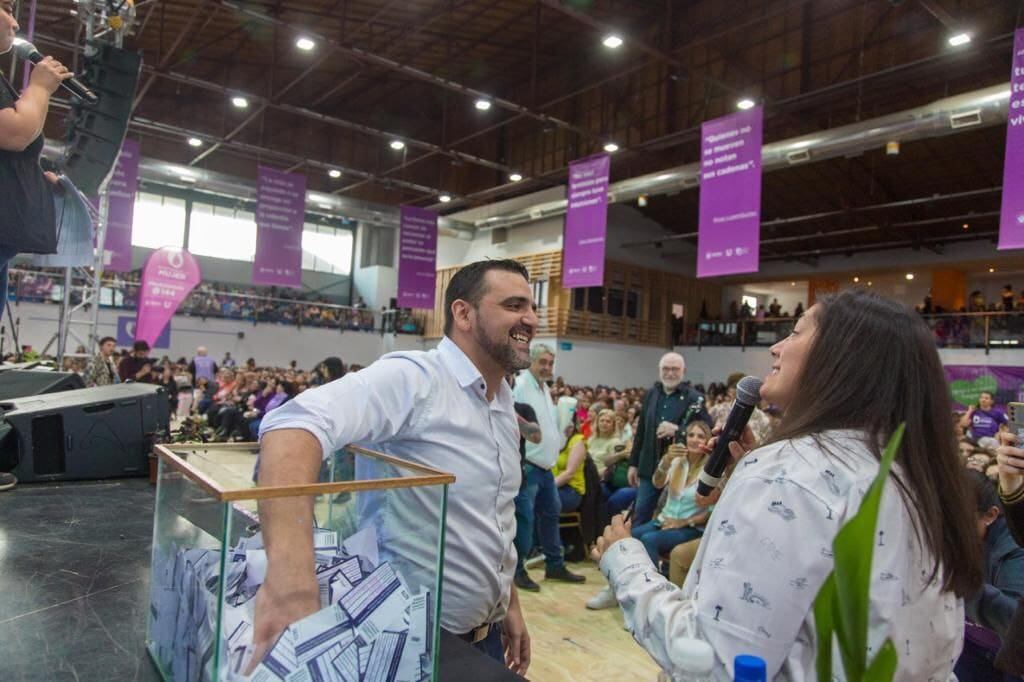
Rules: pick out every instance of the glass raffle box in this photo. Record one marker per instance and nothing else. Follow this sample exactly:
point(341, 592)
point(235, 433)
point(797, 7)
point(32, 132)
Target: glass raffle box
point(378, 539)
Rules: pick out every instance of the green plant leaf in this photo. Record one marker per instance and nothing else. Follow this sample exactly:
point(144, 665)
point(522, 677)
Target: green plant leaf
point(824, 604)
point(883, 667)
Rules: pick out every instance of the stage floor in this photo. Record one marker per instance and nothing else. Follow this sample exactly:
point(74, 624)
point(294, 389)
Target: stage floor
point(74, 584)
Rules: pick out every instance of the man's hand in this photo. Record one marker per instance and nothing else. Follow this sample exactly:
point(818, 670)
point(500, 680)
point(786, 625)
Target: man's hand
point(666, 430)
point(515, 638)
point(1011, 463)
point(280, 601)
point(618, 529)
point(631, 477)
point(48, 75)
point(144, 371)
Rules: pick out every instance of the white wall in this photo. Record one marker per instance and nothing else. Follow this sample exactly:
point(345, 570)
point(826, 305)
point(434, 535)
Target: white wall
point(590, 363)
point(789, 295)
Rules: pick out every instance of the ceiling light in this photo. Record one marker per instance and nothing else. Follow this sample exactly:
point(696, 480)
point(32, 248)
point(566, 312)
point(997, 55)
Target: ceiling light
point(792, 284)
point(324, 206)
point(334, 173)
point(483, 104)
point(745, 103)
point(909, 276)
point(611, 147)
point(304, 43)
point(612, 41)
point(444, 198)
point(240, 102)
point(959, 39)
point(856, 279)
point(397, 145)
point(869, 283)
point(991, 269)
point(195, 142)
point(967, 225)
point(515, 177)
point(641, 200)
point(186, 176)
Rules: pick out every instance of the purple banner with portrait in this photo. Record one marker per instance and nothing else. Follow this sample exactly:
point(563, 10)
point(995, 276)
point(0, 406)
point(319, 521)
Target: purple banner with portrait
point(280, 213)
point(117, 242)
point(586, 222)
point(169, 276)
point(967, 382)
point(1011, 214)
point(417, 258)
point(729, 228)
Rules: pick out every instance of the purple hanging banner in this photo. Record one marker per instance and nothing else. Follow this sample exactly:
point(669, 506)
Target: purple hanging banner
point(417, 258)
point(168, 277)
point(280, 212)
point(117, 242)
point(729, 229)
point(966, 383)
point(1011, 215)
point(586, 222)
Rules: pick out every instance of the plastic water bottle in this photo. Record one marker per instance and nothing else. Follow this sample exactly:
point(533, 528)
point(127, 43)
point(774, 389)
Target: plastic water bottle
point(749, 669)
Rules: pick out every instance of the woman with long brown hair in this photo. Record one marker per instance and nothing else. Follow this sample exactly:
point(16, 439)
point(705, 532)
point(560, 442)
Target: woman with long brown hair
point(855, 367)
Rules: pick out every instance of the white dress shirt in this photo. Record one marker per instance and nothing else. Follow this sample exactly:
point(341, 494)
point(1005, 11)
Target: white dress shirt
point(765, 554)
point(538, 396)
point(431, 408)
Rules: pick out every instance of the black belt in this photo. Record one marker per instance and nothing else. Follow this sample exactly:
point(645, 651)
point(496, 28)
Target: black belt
point(479, 633)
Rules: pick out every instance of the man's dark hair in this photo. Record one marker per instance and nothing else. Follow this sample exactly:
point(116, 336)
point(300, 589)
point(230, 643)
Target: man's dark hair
point(140, 345)
point(468, 284)
point(983, 491)
point(107, 338)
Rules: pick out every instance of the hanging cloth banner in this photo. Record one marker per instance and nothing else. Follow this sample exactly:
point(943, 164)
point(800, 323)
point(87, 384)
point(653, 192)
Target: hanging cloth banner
point(1011, 214)
point(280, 213)
point(169, 276)
point(417, 257)
point(729, 227)
point(117, 242)
point(586, 222)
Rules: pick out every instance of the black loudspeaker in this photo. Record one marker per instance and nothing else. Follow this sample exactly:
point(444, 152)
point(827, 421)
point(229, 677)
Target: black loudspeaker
point(18, 383)
point(96, 131)
point(102, 432)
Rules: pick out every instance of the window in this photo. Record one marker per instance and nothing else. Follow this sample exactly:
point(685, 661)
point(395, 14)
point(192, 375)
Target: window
point(221, 232)
point(750, 301)
point(327, 249)
point(540, 292)
point(158, 221)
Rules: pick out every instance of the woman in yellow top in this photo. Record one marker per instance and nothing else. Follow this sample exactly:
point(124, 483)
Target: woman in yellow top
point(568, 471)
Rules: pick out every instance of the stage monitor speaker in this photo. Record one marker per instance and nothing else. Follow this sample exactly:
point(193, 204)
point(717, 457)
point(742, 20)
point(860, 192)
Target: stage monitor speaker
point(18, 383)
point(102, 432)
point(95, 132)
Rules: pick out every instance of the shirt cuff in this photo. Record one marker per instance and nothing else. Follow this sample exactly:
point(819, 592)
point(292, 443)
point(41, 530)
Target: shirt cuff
point(1014, 498)
point(624, 555)
point(268, 425)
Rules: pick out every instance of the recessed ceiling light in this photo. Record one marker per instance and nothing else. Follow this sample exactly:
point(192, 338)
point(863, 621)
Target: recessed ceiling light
point(745, 103)
point(959, 39)
point(967, 225)
point(856, 279)
point(909, 276)
point(483, 104)
point(611, 147)
point(397, 145)
point(334, 173)
point(304, 43)
point(515, 177)
point(792, 284)
point(991, 269)
point(612, 41)
point(444, 198)
point(240, 102)
point(195, 142)
point(869, 283)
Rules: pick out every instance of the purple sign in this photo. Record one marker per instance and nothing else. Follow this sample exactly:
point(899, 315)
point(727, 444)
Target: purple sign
point(280, 212)
point(117, 243)
point(126, 333)
point(729, 229)
point(967, 382)
point(1011, 215)
point(168, 277)
point(417, 258)
point(586, 220)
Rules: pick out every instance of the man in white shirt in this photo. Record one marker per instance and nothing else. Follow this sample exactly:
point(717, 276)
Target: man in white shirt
point(448, 408)
point(538, 499)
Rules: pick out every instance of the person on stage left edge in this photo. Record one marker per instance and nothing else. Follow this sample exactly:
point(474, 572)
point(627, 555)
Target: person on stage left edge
point(448, 408)
point(27, 220)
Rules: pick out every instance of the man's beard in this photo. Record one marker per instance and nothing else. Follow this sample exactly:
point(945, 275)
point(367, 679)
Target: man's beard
point(501, 353)
point(669, 386)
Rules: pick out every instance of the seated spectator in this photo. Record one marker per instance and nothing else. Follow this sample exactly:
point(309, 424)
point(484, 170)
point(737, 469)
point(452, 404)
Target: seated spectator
point(170, 386)
point(982, 422)
point(138, 366)
point(568, 473)
point(271, 397)
point(225, 397)
point(329, 369)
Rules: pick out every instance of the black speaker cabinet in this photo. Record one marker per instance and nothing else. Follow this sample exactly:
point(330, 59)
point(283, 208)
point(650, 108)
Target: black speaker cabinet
point(91, 433)
point(96, 131)
point(18, 383)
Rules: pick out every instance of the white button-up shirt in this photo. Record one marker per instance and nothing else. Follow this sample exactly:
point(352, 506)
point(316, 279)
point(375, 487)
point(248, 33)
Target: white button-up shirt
point(538, 396)
point(765, 555)
point(432, 408)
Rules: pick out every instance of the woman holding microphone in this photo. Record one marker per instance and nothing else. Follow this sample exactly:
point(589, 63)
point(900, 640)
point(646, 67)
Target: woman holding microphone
point(854, 368)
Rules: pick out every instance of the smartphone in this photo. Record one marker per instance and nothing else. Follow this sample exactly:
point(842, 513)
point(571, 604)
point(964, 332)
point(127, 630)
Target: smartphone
point(1015, 414)
point(629, 511)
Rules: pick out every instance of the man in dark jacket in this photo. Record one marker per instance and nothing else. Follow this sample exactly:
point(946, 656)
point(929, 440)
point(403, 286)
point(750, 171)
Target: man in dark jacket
point(668, 407)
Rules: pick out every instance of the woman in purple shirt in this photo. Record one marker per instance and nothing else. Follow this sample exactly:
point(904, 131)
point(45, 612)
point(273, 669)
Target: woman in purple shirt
point(982, 423)
point(273, 396)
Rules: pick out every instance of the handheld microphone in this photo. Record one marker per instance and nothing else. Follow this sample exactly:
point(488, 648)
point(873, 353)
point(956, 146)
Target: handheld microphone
point(748, 395)
point(27, 50)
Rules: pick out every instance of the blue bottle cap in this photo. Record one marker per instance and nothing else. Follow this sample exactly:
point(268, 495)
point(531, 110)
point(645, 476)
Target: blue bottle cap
point(749, 669)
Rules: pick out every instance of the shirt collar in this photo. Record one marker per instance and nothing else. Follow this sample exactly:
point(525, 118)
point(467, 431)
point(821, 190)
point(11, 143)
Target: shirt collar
point(467, 374)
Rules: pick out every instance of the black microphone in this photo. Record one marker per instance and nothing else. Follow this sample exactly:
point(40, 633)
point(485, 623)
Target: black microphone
point(748, 395)
point(27, 50)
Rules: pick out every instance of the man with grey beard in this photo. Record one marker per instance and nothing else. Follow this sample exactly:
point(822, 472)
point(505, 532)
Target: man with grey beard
point(538, 500)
